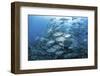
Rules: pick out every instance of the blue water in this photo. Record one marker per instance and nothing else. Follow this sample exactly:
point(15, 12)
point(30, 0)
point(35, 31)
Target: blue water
point(37, 26)
point(76, 26)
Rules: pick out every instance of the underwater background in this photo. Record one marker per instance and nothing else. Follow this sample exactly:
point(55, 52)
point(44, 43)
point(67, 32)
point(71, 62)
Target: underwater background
point(57, 37)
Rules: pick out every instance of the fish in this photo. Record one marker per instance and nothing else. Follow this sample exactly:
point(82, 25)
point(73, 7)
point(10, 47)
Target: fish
point(50, 42)
point(49, 30)
point(60, 39)
point(67, 35)
point(51, 50)
point(59, 52)
point(58, 34)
